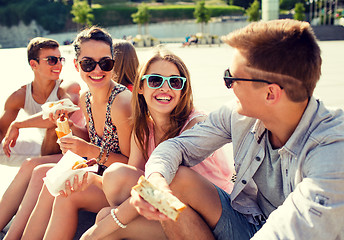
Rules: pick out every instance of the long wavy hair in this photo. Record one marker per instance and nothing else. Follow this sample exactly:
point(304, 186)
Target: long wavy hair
point(141, 117)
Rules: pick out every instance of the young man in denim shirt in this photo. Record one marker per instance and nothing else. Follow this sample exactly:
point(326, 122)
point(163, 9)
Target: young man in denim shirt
point(288, 148)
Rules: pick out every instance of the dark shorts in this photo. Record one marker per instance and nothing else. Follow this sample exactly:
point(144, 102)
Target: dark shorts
point(232, 224)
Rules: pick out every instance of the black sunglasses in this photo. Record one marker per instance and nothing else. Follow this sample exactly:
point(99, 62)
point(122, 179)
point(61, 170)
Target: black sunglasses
point(105, 64)
point(229, 79)
point(52, 60)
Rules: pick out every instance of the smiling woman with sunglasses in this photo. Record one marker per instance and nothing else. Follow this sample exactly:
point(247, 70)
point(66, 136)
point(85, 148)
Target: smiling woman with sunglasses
point(107, 109)
point(162, 108)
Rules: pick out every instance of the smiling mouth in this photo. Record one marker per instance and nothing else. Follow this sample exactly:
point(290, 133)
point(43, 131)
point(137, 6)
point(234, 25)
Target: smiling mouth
point(96, 77)
point(56, 71)
point(163, 99)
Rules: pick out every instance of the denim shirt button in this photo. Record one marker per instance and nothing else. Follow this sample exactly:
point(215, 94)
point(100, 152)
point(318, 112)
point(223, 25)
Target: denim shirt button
point(244, 181)
point(258, 158)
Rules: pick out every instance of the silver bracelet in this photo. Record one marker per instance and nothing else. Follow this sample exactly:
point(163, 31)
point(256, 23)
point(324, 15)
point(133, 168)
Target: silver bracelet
point(116, 219)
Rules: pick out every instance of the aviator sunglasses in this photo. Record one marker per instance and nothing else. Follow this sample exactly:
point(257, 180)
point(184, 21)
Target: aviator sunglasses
point(156, 81)
point(105, 64)
point(229, 79)
point(52, 60)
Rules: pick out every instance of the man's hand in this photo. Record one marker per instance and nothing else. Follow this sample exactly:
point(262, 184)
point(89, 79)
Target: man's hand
point(10, 139)
point(143, 207)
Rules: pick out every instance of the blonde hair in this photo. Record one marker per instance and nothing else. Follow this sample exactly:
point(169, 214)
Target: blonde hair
point(178, 116)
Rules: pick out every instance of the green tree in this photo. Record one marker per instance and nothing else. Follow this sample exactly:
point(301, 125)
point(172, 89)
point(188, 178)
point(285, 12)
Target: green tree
point(253, 11)
point(299, 12)
point(142, 16)
point(202, 14)
point(82, 13)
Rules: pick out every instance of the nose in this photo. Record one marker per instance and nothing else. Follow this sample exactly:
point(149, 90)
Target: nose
point(97, 68)
point(165, 86)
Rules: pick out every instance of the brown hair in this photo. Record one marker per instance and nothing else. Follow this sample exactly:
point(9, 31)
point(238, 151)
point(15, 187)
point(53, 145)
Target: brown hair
point(180, 113)
point(92, 33)
point(126, 62)
point(285, 52)
point(38, 43)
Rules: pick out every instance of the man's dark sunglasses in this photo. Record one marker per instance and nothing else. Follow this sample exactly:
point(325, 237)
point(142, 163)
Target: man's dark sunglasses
point(229, 79)
point(105, 64)
point(52, 60)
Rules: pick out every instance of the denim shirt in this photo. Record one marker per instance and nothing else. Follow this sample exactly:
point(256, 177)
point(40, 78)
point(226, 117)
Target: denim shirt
point(312, 168)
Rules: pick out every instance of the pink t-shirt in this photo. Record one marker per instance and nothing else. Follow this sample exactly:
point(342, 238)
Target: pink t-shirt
point(215, 168)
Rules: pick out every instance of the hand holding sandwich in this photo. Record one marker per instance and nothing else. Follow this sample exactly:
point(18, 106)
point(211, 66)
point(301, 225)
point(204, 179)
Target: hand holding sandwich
point(143, 207)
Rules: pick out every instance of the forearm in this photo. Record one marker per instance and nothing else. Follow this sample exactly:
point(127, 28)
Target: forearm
point(2, 135)
point(125, 213)
point(34, 121)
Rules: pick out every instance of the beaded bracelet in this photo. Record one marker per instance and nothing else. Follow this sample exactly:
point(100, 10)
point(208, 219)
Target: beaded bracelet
point(116, 219)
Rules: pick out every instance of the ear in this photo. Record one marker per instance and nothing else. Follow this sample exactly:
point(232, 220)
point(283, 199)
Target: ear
point(274, 93)
point(33, 63)
point(140, 91)
point(75, 61)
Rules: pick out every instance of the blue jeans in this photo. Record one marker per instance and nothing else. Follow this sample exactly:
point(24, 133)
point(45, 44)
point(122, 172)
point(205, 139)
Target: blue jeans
point(232, 224)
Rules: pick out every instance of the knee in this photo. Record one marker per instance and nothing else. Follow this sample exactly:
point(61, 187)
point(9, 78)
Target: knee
point(117, 182)
point(39, 173)
point(28, 165)
point(182, 180)
point(113, 177)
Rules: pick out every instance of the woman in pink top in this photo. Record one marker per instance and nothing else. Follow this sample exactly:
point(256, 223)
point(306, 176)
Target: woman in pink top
point(162, 108)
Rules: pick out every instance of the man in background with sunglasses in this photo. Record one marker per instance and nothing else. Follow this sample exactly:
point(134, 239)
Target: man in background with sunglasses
point(45, 60)
point(288, 148)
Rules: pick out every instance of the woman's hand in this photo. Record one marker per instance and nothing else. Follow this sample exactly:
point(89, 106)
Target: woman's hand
point(78, 186)
point(76, 145)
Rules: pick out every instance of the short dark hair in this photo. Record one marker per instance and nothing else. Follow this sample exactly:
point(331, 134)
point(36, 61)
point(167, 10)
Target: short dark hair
point(92, 33)
point(38, 43)
point(281, 51)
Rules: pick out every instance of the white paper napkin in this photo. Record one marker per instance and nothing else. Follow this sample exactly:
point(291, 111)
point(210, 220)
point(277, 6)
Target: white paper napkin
point(63, 104)
point(57, 176)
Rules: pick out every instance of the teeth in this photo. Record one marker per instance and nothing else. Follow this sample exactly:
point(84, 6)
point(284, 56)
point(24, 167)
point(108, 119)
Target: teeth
point(164, 98)
point(97, 78)
point(57, 71)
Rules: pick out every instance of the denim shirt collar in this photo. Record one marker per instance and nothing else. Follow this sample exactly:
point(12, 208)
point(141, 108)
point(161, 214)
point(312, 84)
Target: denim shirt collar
point(297, 140)
point(258, 130)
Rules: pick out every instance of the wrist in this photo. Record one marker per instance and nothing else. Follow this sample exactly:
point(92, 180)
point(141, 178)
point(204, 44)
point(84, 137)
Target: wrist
point(94, 151)
point(16, 124)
